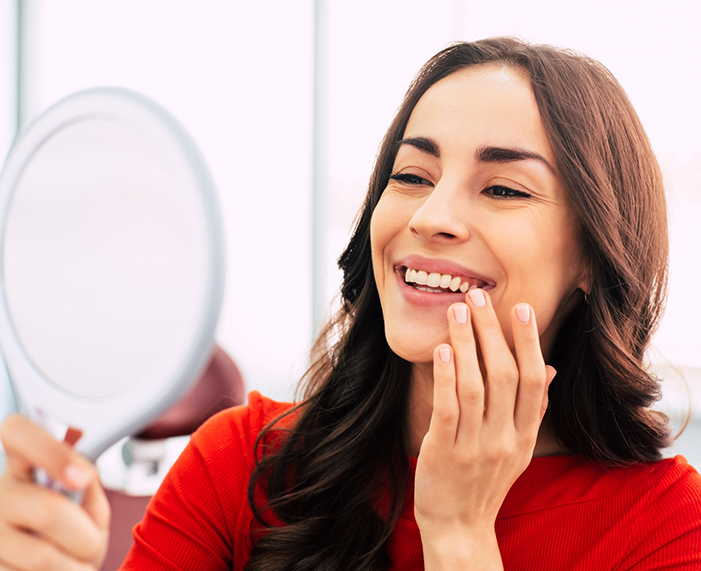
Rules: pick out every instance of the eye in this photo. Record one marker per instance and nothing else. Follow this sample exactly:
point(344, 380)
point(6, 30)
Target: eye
point(408, 178)
point(498, 191)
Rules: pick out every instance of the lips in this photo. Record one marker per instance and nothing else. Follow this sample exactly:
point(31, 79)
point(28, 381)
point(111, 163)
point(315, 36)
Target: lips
point(435, 282)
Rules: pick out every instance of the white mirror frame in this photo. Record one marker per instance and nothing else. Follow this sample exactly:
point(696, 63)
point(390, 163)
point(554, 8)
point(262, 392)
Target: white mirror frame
point(106, 420)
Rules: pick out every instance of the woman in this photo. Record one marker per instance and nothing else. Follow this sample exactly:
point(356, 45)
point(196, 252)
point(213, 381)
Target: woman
point(515, 217)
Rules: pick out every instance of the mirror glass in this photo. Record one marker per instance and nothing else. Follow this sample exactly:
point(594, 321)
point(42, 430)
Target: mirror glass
point(112, 264)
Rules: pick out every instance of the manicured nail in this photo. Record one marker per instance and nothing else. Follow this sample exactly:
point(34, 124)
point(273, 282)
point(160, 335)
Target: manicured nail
point(477, 297)
point(444, 353)
point(460, 313)
point(77, 475)
point(523, 312)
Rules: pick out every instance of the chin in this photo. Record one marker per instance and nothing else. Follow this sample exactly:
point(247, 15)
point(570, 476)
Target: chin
point(415, 349)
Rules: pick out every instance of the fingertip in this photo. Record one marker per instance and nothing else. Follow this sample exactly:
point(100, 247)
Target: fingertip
point(477, 296)
point(460, 312)
point(76, 476)
point(523, 312)
point(444, 353)
point(550, 374)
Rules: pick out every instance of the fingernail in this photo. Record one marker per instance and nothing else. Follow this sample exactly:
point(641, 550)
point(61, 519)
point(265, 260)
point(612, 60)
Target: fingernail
point(477, 297)
point(444, 353)
point(523, 312)
point(460, 313)
point(77, 475)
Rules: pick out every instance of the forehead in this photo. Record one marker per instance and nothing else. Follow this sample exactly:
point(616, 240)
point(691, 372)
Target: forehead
point(483, 105)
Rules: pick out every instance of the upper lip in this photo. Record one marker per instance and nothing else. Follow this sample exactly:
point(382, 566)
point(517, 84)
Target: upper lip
point(431, 265)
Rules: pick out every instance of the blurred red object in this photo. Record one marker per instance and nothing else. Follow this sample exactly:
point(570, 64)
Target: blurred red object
point(219, 387)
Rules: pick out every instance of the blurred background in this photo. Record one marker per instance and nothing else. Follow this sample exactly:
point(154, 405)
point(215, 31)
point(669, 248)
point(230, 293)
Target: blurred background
point(288, 102)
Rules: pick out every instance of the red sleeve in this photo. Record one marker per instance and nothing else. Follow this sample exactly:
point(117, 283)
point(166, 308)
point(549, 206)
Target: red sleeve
point(668, 535)
point(200, 517)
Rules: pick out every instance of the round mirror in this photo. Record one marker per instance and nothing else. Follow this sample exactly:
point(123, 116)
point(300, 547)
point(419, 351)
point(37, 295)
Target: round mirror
point(111, 261)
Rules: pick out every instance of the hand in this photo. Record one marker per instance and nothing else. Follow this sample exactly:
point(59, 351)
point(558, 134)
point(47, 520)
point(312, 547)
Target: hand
point(41, 528)
point(482, 433)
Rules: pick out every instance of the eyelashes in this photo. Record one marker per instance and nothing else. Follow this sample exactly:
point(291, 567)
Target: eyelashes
point(409, 179)
point(497, 191)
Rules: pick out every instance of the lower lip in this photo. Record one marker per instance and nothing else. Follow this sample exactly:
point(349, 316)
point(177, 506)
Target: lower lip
point(424, 298)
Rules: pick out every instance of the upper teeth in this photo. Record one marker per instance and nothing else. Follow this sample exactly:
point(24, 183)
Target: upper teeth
point(435, 280)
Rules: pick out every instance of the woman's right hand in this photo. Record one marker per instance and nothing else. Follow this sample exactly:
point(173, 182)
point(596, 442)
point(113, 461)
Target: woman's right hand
point(40, 528)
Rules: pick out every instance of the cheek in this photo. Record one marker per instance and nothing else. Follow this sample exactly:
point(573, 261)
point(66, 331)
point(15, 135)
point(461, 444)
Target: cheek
point(386, 223)
point(543, 269)
point(378, 241)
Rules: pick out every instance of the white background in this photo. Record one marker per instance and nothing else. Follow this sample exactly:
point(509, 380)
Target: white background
point(240, 76)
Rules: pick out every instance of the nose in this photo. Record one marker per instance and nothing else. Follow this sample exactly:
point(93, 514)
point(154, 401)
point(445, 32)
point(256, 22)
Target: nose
point(443, 215)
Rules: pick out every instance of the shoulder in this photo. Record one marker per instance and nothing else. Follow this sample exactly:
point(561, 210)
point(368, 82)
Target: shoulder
point(200, 516)
point(675, 497)
point(237, 428)
point(668, 528)
point(640, 516)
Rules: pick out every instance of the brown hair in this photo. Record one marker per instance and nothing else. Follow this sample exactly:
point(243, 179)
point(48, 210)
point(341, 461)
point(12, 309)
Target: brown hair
point(323, 480)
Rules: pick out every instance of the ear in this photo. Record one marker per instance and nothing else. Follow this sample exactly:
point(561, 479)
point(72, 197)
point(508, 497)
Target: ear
point(584, 280)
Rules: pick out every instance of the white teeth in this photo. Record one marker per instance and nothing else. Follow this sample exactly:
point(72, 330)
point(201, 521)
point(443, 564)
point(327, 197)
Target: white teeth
point(429, 289)
point(436, 282)
point(433, 280)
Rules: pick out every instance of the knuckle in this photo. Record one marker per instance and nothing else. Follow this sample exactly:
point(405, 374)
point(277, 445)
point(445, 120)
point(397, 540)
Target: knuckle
point(47, 519)
point(446, 414)
point(505, 373)
point(529, 440)
point(537, 381)
point(471, 395)
point(499, 449)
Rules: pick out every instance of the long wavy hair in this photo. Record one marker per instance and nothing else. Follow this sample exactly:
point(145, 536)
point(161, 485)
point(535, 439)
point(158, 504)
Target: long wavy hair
point(324, 477)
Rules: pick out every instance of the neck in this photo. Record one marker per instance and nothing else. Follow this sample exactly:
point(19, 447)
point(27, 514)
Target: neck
point(420, 408)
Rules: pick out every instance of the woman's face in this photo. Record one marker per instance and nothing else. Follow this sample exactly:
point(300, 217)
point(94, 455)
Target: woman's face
point(474, 199)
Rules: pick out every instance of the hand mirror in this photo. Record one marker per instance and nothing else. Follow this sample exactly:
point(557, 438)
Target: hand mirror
point(111, 265)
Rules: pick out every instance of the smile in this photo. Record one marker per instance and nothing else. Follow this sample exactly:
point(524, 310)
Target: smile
point(440, 283)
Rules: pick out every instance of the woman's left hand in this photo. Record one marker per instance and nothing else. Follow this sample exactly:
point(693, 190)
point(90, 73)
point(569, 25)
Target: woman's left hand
point(482, 433)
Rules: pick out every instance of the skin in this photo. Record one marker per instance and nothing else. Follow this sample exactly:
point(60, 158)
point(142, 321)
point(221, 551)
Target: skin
point(475, 414)
point(40, 528)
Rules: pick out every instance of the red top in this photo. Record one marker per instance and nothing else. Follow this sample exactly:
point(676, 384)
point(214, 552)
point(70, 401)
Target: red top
point(562, 513)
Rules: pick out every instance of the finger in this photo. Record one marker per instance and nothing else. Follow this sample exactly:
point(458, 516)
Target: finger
point(28, 446)
point(470, 387)
point(21, 551)
point(531, 366)
point(54, 517)
point(96, 504)
point(446, 411)
point(501, 371)
point(550, 373)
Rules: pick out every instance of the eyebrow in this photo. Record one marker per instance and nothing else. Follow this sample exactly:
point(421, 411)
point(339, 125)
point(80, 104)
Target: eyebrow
point(486, 154)
point(425, 144)
point(508, 155)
